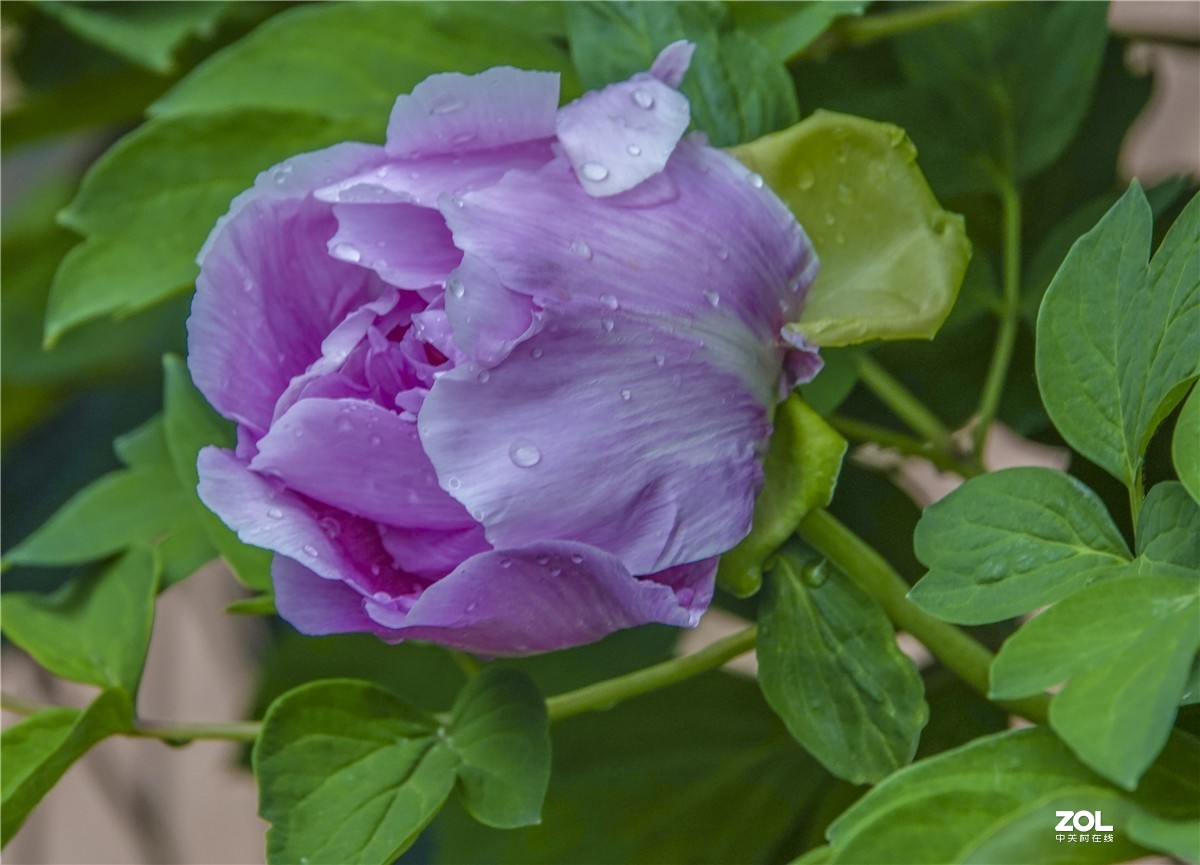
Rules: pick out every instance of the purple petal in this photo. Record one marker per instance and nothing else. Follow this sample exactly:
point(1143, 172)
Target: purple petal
point(617, 137)
point(360, 458)
point(803, 360)
point(432, 552)
point(673, 62)
point(543, 597)
point(408, 246)
point(608, 430)
point(488, 320)
point(317, 606)
point(268, 292)
point(458, 113)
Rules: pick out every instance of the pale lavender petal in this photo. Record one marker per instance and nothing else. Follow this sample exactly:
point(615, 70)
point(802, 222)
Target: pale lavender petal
point(608, 429)
point(432, 552)
point(803, 360)
point(360, 458)
point(408, 246)
point(544, 597)
point(268, 292)
point(488, 320)
point(673, 62)
point(617, 137)
point(455, 112)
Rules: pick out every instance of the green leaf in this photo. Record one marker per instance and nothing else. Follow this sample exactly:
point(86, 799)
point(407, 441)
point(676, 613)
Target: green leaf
point(500, 730)
point(892, 260)
point(348, 773)
point(1185, 446)
point(801, 471)
point(147, 34)
point(1010, 85)
point(1168, 529)
point(737, 90)
point(351, 60)
point(146, 206)
point(830, 667)
point(37, 751)
point(1126, 646)
point(190, 424)
point(95, 629)
point(786, 29)
point(1180, 838)
point(1119, 339)
point(1009, 541)
point(988, 786)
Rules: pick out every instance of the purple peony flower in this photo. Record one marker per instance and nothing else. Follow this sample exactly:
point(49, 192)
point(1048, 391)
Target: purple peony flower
point(505, 382)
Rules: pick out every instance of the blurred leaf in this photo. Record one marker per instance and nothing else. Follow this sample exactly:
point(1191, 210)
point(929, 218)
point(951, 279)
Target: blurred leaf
point(349, 61)
point(146, 206)
point(703, 772)
point(37, 751)
point(96, 629)
point(145, 33)
point(801, 471)
point(191, 424)
point(990, 786)
point(1125, 647)
point(1179, 838)
point(1168, 530)
point(836, 380)
point(257, 605)
point(1008, 541)
point(892, 260)
point(500, 730)
point(786, 29)
point(1009, 83)
point(141, 505)
point(1106, 382)
point(1185, 446)
point(738, 91)
point(830, 667)
point(348, 773)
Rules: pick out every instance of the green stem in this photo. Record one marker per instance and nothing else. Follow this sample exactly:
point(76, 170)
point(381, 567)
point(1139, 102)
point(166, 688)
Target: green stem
point(1010, 307)
point(850, 32)
point(958, 651)
point(603, 695)
point(902, 402)
point(864, 432)
point(469, 666)
point(1137, 495)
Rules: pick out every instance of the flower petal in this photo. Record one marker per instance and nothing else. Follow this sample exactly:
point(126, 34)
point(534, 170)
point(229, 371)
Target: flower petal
point(458, 113)
point(546, 596)
point(488, 320)
point(617, 137)
point(317, 606)
point(268, 292)
point(408, 246)
point(358, 457)
point(672, 62)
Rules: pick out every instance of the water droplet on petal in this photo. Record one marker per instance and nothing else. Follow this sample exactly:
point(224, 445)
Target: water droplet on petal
point(660, 359)
point(633, 150)
point(755, 180)
point(376, 441)
point(454, 483)
point(483, 376)
point(608, 324)
point(642, 99)
point(722, 253)
point(593, 171)
point(280, 174)
point(610, 301)
point(310, 550)
point(376, 570)
point(626, 395)
point(713, 298)
point(347, 252)
point(456, 287)
point(463, 138)
point(343, 424)
point(248, 284)
point(535, 353)
point(581, 249)
point(446, 105)
point(506, 563)
point(275, 513)
point(382, 597)
point(524, 454)
point(330, 526)
point(576, 558)
point(471, 607)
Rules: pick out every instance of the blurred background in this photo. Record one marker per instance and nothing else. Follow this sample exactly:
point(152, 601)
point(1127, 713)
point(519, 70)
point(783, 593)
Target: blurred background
point(138, 801)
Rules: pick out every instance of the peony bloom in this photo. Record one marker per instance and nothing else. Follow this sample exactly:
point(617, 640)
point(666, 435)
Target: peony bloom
point(505, 382)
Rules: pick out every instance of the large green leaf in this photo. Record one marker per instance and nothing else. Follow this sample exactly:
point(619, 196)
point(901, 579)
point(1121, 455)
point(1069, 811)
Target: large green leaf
point(190, 424)
point(348, 773)
point(146, 206)
point(1009, 85)
point(892, 260)
point(1185, 446)
point(1180, 838)
point(992, 800)
point(37, 751)
point(801, 470)
point(1168, 530)
point(95, 629)
point(1009, 541)
point(146, 33)
point(737, 89)
point(1119, 339)
point(500, 730)
point(830, 667)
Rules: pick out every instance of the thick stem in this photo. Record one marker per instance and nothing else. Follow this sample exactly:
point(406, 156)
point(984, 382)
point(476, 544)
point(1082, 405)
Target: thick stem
point(1010, 307)
point(902, 402)
point(858, 431)
point(606, 694)
point(958, 651)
